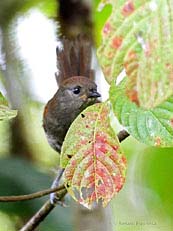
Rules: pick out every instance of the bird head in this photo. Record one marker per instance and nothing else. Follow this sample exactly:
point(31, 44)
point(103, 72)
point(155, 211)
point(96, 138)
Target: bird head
point(78, 92)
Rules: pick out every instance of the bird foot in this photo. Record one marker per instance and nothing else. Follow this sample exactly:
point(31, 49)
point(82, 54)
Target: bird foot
point(53, 196)
point(54, 199)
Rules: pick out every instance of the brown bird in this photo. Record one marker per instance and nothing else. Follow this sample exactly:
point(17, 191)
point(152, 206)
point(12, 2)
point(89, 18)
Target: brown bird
point(77, 89)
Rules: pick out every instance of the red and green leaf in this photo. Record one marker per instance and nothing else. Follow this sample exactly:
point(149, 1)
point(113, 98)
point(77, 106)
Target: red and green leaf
point(152, 127)
point(138, 37)
point(94, 164)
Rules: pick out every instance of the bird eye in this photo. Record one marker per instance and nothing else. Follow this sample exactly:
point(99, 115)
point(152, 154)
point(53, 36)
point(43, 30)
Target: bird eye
point(76, 90)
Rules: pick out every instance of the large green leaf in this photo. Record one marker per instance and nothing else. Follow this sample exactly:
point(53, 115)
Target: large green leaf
point(5, 111)
point(138, 37)
point(91, 155)
point(153, 126)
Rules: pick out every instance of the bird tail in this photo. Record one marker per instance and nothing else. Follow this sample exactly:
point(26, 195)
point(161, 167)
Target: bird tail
point(74, 59)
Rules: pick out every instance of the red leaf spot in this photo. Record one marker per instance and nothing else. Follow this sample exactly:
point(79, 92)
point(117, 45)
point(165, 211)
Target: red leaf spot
point(124, 160)
point(87, 126)
point(116, 42)
point(115, 147)
point(90, 178)
point(69, 174)
point(133, 96)
point(73, 163)
point(102, 189)
point(171, 122)
point(131, 64)
point(128, 8)
point(130, 69)
point(100, 138)
point(157, 141)
point(103, 148)
point(118, 180)
point(132, 55)
point(110, 54)
point(107, 71)
point(101, 172)
point(98, 153)
point(107, 28)
point(83, 142)
point(168, 65)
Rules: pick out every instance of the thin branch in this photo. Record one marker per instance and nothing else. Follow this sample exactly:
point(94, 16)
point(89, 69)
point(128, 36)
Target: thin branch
point(32, 195)
point(42, 213)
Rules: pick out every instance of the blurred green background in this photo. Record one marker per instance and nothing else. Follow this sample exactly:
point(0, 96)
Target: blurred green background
point(28, 34)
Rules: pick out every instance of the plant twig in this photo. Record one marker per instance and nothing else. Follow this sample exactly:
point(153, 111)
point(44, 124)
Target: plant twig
point(42, 213)
point(31, 196)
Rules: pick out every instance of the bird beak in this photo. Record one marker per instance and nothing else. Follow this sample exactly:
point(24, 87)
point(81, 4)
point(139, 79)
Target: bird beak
point(94, 94)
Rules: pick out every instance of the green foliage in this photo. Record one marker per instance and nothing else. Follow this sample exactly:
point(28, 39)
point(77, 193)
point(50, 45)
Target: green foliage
point(5, 111)
point(153, 127)
point(91, 155)
point(137, 37)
